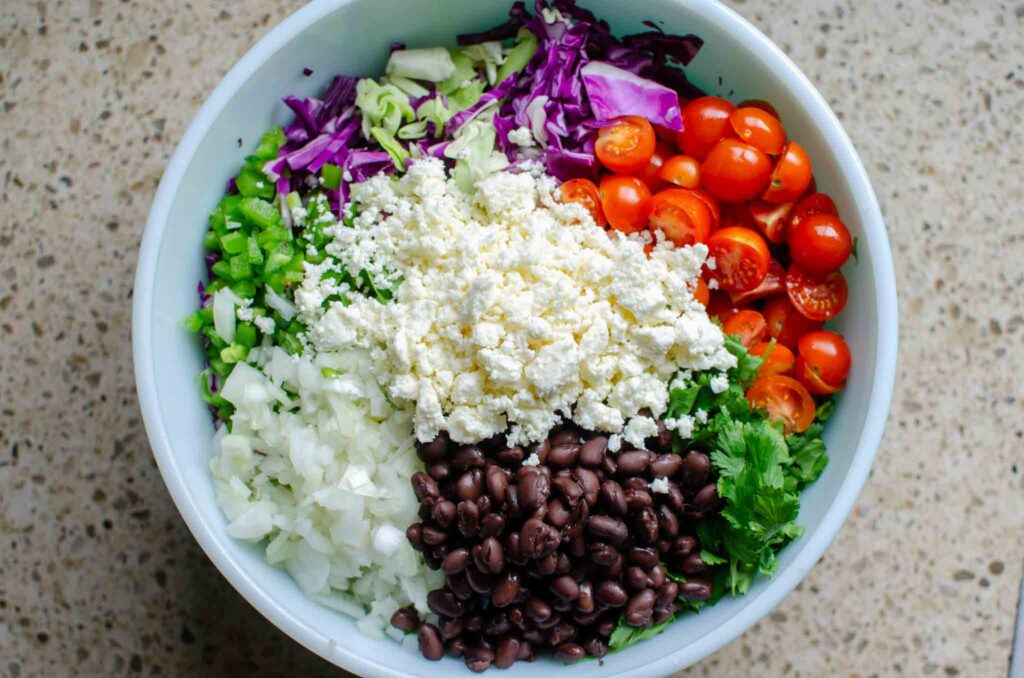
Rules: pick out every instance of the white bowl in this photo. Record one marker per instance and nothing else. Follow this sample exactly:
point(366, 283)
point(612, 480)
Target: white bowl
point(352, 36)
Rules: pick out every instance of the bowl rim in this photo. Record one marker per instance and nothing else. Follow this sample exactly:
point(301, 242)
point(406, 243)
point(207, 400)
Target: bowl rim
point(213, 542)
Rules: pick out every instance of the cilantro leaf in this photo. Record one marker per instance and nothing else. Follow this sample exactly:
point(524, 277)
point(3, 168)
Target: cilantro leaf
point(747, 365)
point(625, 635)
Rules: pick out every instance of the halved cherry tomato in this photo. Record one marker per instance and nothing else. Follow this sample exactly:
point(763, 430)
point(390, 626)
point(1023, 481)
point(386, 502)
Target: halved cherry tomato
point(584, 192)
point(771, 219)
point(665, 134)
point(760, 103)
point(817, 298)
point(773, 283)
point(823, 362)
point(721, 307)
point(741, 258)
point(791, 176)
point(734, 171)
point(820, 243)
point(701, 292)
point(681, 170)
point(626, 145)
point(785, 399)
point(705, 122)
point(813, 203)
point(748, 325)
point(626, 202)
point(785, 324)
point(759, 129)
point(777, 358)
point(682, 216)
point(650, 174)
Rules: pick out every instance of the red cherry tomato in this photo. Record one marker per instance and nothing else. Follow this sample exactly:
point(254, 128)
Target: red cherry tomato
point(817, 298)
point(820, 244)
point(701, 292)
point(773, 283)
point(626, 202)
point(738, 214)
point(748, 325)
point(682, 216)
point(664, 134)
point(777, 358)
point(721, 307)
point(759, 129)
point(705, 122)
point(734, 171)
point(823, 362)
point(584, 192)
point(785, 399)
point(771, 219)
point(626, 145)
point(791, 176)
point(651, 173)
point(681, 170)
point(741, 259)
point(785, 324)
point(762, 104)
point(814, 203)
point(711, 204)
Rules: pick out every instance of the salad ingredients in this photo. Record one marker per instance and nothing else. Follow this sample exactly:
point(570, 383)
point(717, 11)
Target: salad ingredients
point(792, 175)
point(514, 309)
point(626, 202)
point(318, 464)
point(734, 171)
point(823, 362)
point(705, 121)
point(681, 215)
point(741, 258)
point(785, 399)
point(817, 298)
point(820, 243)
point(626, 145)
point(681, 170)
point(614, 92)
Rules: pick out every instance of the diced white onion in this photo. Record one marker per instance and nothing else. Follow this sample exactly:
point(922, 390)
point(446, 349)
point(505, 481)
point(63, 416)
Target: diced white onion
point(224, 314)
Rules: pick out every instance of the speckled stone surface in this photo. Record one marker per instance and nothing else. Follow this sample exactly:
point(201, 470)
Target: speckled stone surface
point(100, 577)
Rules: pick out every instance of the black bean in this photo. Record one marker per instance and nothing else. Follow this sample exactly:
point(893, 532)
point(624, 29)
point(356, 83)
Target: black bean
point(557, 514)
point(613, 499)
point(668, 523)
point(563, 564)
point(693, 564)
point(541, 449)
point(633, 463)
point(512, 506)
point(666, 595)
point(695, 588)
point(538, 610)
point(569, 488)
point(492, 526)
point(637, 499)
point(663, 441)
point(445, 604)
point(547, 564)
point(497, 483)
point(493, 555)
point(640, 608)
point(512, 550)
point(478, 581)
point(537, 539)
point(590, 483)
point(643, 556)
point(455, 562)
point(484, 504)
point(430, 642)
point(468, 457)
point(585, 602)
point(414, 533)
point(579, 518)
point(424, 487)
point(507, 653)
point(516, 617)
point(607, 529)
point(562, 632)
point(443, 513)
point(683, 545)
point(593, 451)
point(440, 552)
point(405, 619)
point(510, 457)
point(479, 659)
point(706, 499)
point(563, 456)
point(474, 624)
point(609, 466)
point(595, 647)
point(603, 554)
point(452, 628)
point(695, 469)
point(663, 544)
point(456, 647)
point(577, 546)
point(656, 576)
point(434, 450)
point(646, 526)
point(666, 465)
point(674, 498)
point(565, 588)
point(498, 625)
point(459, 585)
point(634, 483)
point(660, 616)
point(611, 593)
point(567, 436)
point(534, 488)
point(608, 624)
point(434, 536)
point(567, 653)
point(527, 653)
point(614, 571)
point(506, 590)
point(439, 470)
point(470, 485)
point(467, 518)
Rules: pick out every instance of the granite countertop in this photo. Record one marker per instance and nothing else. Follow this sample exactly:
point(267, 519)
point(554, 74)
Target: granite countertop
point(100, 577)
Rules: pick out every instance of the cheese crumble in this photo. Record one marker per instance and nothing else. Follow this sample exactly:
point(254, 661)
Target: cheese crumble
point(512, 310)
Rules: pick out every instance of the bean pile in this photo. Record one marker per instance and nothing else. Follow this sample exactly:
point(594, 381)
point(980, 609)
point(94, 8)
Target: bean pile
point(552, 555)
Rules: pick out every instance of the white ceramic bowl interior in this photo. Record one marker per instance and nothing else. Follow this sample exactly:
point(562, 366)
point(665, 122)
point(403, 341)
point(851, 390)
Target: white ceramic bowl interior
point(352, 37)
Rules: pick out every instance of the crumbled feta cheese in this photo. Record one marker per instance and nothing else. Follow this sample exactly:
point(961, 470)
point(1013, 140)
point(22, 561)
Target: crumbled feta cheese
point(659, 485)
point(244, 314)
point(265, 324)
point(532, 460)
point(614, 442)
point(512, 310)
point(701, 415)
point(522, 136)
point(713, 284)
point(683, 425)
point(719, 383)
point(711, 263)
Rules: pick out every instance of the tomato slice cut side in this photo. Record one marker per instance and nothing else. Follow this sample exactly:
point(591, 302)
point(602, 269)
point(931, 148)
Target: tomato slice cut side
point(626, 144)
point(815, 297)
point(749, 326)
point(773, 283)
point(785, 399)
point(785, 324)
point(771, 219)
point(584, 192)
point(741, 258)
point(681, 216)
point(777, 358)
